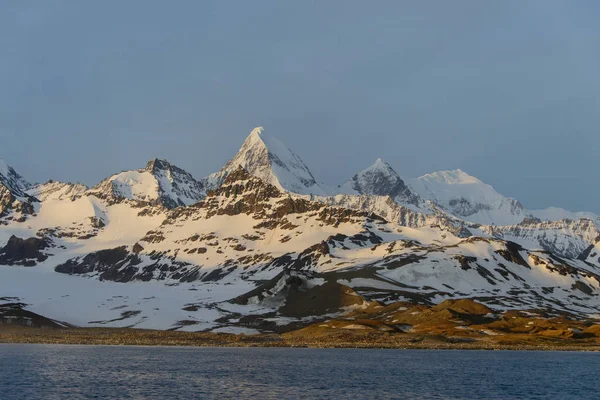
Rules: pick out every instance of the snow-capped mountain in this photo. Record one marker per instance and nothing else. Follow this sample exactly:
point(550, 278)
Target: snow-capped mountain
point(269, 159)
point(152, 248)
point(12, 180)
point(468, 198)
point(251, 256)
point(565, 238)
point(158, 183)
point(380, 179)
point(15, 203)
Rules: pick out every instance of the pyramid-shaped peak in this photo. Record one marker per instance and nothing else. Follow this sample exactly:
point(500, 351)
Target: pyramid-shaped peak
point(160, 182)
point(157, 164)
point(380, 164)
point(379, 179)
point(255, 137)
point(12, 179)
point(269, 159)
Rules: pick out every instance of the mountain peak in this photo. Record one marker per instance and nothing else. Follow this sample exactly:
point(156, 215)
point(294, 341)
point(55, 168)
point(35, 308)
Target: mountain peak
point(11, 179)
point(267, 158)
point(256, 132)
point(451, 177)
point(380, 162)
point(469, 198)
point(157, 164)
point(379, 179)
point(160, 182)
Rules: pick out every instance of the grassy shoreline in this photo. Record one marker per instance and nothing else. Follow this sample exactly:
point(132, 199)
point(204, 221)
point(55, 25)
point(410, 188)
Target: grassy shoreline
point(138, 337)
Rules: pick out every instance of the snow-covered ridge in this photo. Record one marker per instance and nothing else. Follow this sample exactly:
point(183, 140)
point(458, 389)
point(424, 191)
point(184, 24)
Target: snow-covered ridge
point(565, 238)
point(185, 267)
point(160, 183)
point(54, 190)
point(468, 198)
point(11, 179)
point(556, 213)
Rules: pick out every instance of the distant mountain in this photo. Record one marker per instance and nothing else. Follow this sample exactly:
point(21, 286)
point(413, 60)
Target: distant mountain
point(555, 214)
point(380, 179)
point(261, 246)
point(468, 198)
point(565, 238)
point(158, 183)
point(12, 180)
point(269, 159)
point(15, 203)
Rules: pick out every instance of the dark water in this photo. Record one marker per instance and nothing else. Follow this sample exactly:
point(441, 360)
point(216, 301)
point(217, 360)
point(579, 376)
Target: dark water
point(96, 372)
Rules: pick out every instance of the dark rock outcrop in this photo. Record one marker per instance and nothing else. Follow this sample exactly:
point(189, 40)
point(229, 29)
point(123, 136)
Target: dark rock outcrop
point(24, 252)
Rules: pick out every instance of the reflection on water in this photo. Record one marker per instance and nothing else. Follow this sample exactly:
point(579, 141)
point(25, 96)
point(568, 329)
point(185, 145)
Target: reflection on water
point(98, 372)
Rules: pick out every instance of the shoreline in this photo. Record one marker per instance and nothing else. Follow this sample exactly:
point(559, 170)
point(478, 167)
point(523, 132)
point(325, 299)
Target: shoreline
point(345, 340)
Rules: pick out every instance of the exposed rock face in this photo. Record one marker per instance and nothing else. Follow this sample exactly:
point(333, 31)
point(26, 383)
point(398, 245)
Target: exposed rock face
point(113, 264)
point(15, 203)
point(270, 160)
point(177, 187)
point(14, 207)
point(15, 314)
point(24, 252)
point(591, 255)
point(12, 180)
point(121, 265)
point(6, 199)
point(390, 210)
point(380, 179)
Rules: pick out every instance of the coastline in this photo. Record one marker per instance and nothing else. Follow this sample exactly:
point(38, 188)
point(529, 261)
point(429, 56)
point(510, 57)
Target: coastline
point(370, 340)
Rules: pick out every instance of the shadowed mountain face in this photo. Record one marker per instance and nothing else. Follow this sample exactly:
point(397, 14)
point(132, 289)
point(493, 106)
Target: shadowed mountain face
point(15, 203)
point(10, 179)
point(380, 180)
point(266, 248)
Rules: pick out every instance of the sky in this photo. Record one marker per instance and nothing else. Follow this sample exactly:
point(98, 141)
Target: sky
point(506, 91)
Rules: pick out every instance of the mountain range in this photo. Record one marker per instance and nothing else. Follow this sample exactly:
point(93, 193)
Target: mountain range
point(262, 245)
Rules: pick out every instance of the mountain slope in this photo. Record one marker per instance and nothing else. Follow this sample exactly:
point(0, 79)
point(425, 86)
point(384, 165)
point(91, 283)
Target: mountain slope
point(160, 183)
point(250, 256)
point(152, 248)
point(54, 190)
point(269, 159)
point(468, 198)
point(15, 203)
point(12, 180)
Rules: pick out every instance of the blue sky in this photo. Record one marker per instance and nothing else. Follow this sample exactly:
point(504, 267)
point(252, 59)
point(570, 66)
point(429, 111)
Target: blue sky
point(507, 91)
